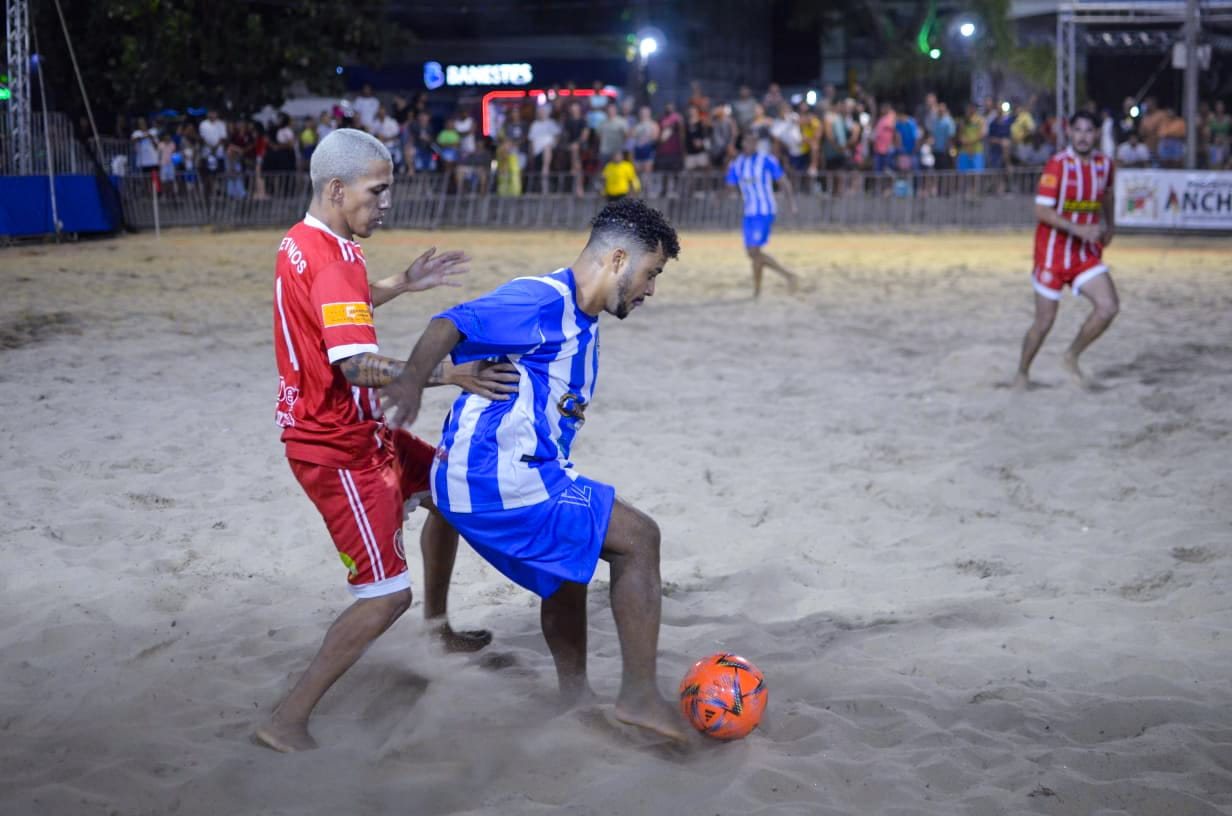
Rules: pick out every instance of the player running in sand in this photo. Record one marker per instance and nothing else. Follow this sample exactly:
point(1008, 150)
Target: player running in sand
point(357, 472)
point(1074, 206)
point(755, 173)
point(502, 474)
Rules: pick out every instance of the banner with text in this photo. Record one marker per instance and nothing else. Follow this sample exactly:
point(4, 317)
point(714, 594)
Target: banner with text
point(1180, 199)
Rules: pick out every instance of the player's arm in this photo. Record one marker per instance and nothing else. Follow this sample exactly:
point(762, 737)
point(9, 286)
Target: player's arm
point(495, 381)
point(404, 392)
point(427, 271)
point(1050, 217)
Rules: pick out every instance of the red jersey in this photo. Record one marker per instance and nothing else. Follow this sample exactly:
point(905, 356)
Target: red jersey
point(322, 315)
point(1075, 188)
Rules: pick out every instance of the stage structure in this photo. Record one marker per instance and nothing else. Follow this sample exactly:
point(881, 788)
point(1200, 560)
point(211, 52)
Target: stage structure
point(1185, 15)
point(20, 125)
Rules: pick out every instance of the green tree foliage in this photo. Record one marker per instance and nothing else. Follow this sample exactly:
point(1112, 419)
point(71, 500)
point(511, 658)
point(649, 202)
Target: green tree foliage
point(139, 55)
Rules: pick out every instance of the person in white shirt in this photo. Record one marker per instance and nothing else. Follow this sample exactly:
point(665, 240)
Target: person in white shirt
point(1133, 153)
point(465, 125)
point(544, 132)
point(145, 143)
point(366, 106)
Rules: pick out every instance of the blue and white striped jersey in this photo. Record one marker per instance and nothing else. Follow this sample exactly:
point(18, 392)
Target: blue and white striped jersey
point(515, 453)
point(756, 175)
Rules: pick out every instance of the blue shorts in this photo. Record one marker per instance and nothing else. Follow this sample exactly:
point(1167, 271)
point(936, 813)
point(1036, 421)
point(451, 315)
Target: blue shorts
point(541, 546)
point(970, 162)
point(644, 153)
point(757, 229)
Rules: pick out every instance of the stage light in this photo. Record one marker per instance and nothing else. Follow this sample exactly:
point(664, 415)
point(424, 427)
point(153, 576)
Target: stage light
point(967, 29)
point(647, 46)
point(934, 54)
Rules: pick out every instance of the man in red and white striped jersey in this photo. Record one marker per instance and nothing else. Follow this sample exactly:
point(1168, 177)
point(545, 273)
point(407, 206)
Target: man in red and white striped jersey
point(1074, 206)
point(358, 473)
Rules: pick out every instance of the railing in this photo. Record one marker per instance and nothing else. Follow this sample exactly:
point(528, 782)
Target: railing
point(690, 200)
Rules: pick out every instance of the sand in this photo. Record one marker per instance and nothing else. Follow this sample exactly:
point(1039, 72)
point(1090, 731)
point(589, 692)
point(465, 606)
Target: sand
point(965, 601)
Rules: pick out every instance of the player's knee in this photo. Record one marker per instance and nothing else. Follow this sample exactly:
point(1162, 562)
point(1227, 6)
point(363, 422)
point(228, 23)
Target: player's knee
point(395, 604)
point(1108, 309)
point(650, 537)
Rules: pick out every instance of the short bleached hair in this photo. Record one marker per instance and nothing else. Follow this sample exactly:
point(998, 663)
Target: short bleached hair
point(344, 154)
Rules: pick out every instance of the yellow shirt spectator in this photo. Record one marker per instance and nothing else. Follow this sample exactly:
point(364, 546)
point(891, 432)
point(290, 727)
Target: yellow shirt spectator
point(1023, 126)
point(619, 178)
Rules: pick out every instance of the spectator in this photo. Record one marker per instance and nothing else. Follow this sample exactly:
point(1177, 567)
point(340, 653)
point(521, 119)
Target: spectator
point(744, 109)
point(542, 137)
point(1126, 123)
point(1171, 139)
point(811, 133)
point(326, 125)
point(998, 139)
point(908, 138)
point(166, 161)
point(422, 144)
point(858, 137)
point(598, 108)
point(773, 98)
point(790, 141)
point(645, 141)
point(448, 141)
point(885, 136)
point(762, 130)
point(1020, 131)
point(402, 111)
point(508, 169)
point(260, 146)
point(145, 145)
point(239, 152)
point(385, 127)
point(1150, 124)
point(1133, 153)
point(1219, 136)
point(1107, 133)
point(696, 157)
point(669, 155)
point(943, 138)
point(699, 100)
point(612, 133)
point(467, 129)
point(307, 140)
point(280, 156)
point(835, 139)
point(619, 177)
point(514, 130)
point(365, 107)
point(576, 135)
point(190, 151)
point(475, 168)
point(971, 141)
point(722, 136)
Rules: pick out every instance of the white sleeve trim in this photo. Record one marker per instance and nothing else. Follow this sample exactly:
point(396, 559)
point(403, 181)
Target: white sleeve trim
point(342, 352)
point(1045, 201)
point(379, 589)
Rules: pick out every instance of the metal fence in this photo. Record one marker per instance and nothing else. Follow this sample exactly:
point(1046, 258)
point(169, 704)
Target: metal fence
point(691, 200)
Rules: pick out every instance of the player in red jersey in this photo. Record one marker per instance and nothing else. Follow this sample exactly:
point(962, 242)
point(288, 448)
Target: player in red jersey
point(1074, 206)
point(357, 472)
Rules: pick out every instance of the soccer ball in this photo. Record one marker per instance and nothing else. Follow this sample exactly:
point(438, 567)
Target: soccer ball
point(723, 696)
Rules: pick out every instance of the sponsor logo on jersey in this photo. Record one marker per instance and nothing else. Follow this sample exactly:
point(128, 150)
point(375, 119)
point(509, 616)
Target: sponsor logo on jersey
point(1048, 180)
point(346, 314)
point(1082, 206)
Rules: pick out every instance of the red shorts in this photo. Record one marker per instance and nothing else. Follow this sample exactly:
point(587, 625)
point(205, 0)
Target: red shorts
point(363, 509)
point(1050, 282)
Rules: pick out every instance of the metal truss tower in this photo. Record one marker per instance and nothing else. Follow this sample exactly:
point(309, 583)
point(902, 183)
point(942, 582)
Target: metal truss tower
point(21, 133)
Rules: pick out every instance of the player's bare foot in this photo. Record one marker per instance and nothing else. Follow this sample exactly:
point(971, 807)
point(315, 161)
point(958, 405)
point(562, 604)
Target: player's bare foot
point(577, 696)
point(793, 283)
point(654, 714)
point(463, 642)
point(286, 738)
point(1020, 383)
point(1070, 363)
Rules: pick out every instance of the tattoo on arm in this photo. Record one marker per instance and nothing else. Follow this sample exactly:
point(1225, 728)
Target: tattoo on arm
point(370, 370)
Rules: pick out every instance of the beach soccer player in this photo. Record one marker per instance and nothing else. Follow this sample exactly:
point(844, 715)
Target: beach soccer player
point(503, 476)
point(1074, 207)
point(359, 473)
point(755, 173)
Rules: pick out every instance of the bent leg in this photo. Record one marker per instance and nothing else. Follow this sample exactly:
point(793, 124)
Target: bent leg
point(438, 543)
point(755, 256)
point(354, 630)
point(563, 618)
point(632, 549)
point(1103, 296)
point(1045, 314)
point(793, 280)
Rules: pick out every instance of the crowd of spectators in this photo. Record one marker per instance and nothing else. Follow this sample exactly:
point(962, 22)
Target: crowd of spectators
point(566, 142)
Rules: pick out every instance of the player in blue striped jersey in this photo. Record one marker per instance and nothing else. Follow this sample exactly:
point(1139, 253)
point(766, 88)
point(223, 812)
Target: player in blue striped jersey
point(755, 173)
point(503, 476)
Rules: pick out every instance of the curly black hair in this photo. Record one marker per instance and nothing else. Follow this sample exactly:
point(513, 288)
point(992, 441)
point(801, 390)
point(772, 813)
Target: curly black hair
point(1094, 119)
point(633, 218)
